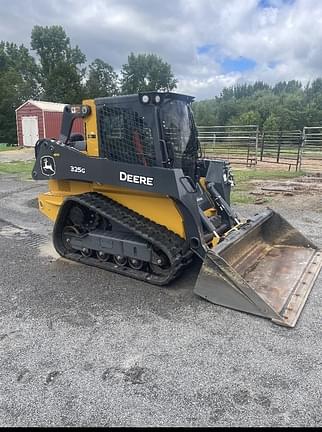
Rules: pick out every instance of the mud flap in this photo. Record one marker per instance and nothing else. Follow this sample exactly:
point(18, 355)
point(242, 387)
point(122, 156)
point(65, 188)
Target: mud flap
point(266, 268)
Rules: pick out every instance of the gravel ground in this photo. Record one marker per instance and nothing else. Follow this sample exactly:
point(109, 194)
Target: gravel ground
point(81, 347)
point(20, 154)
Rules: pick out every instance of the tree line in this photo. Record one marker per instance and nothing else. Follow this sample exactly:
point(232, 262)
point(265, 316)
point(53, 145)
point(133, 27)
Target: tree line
point(53, 70)
point(286, 105)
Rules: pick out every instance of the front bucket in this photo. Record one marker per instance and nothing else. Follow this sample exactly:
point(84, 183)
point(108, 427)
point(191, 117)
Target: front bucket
point(266, 268)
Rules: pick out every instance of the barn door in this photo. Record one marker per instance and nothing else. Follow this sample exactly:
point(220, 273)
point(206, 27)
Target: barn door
point(30, 132)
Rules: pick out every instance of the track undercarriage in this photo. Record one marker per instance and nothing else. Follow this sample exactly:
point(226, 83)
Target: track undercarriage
point(98, 231)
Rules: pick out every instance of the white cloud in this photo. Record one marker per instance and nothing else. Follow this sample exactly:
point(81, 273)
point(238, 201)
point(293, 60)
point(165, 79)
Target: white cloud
point(287, 35)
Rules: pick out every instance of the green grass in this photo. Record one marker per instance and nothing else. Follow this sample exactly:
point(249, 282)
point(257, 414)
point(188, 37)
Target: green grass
point(241, 197)
point(4, 147)
point(22, 168)
point(240, 193)
point(245, 175)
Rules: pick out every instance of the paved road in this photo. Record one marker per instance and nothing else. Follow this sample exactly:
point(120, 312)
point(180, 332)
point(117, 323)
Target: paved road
point(82, 347)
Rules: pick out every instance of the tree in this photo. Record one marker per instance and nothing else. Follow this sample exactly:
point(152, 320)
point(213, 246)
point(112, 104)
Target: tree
point(240, 91)
point(205, 112)
point(287, 87)
point(18, 82)
point(285, 106)
point(271, 123)
point(61, 72)
point(247, 118)
point(19, 59)
point(102, 80)
point(146, 72)
point(227, 109)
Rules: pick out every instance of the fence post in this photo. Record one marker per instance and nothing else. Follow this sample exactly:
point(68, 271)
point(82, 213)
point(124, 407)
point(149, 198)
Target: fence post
point(279, 146)
point(263, 141)
point(301, 148)
point(256, 145)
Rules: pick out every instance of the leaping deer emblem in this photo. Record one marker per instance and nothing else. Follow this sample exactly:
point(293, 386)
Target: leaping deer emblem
point(48, 166)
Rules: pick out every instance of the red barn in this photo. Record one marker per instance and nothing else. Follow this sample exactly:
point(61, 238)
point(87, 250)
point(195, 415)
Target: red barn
point(38, 119)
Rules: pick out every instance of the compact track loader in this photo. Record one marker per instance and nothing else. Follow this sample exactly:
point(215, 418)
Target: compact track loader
point(134, 196)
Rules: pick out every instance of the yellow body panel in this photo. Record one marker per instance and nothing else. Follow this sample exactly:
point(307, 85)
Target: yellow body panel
point(160, 209)
point(90, 126)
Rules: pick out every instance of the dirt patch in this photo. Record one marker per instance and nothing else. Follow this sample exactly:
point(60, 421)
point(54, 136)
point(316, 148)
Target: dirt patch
point(302, 191)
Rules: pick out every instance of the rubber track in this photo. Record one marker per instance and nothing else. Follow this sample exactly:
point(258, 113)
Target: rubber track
point(157, 235)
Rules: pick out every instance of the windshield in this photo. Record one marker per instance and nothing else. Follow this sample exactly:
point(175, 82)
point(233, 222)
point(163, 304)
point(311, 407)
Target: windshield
point(176, 126)
point(179, 133)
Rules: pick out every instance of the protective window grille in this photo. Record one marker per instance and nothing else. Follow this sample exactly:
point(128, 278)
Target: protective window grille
point(184, 147)
point(173, 140)
point(125, 137)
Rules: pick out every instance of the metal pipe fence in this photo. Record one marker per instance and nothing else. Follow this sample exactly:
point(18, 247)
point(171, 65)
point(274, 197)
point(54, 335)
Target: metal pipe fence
point(236, 143)
point(247, 145)
point(281, 147)
point(311, 149)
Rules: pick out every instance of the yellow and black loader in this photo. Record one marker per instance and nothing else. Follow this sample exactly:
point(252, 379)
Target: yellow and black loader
point(133, 195)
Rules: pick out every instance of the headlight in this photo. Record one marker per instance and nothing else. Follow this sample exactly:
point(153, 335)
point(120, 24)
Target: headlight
point(86, 110)
point(157, 99)
point(145, 98)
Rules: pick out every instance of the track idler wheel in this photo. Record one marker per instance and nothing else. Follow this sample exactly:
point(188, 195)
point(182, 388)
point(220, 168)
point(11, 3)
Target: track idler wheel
point(163, 265)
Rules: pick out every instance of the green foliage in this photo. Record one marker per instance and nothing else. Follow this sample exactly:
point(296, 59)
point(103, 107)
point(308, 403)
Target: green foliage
point(102, 80)
point(18, 82)
point(146, 72)
point(60, 64)
point(243, 176)
point(285, 106)
point(6, 147)
point(271, 123)
point(246, 118)
point(287, 87)
point(243, 90)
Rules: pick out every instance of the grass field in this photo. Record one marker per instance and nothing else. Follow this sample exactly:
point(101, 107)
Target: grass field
point(4, 147)
point(22, 168)
point(240, 193)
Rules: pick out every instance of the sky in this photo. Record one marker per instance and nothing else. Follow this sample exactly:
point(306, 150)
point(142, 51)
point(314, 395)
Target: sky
point(210, 44)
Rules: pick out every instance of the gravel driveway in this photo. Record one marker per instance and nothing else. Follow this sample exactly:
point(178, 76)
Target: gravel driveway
point(20, 154)
point(82, 347)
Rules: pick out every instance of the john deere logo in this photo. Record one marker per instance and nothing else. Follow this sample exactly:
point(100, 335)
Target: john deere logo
point(132, 178)
point(47, 165)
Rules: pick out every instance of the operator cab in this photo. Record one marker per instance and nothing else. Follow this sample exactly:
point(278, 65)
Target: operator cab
point(150, 129)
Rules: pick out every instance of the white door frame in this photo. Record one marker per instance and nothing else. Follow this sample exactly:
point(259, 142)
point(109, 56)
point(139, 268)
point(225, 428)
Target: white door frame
point(30, 130)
